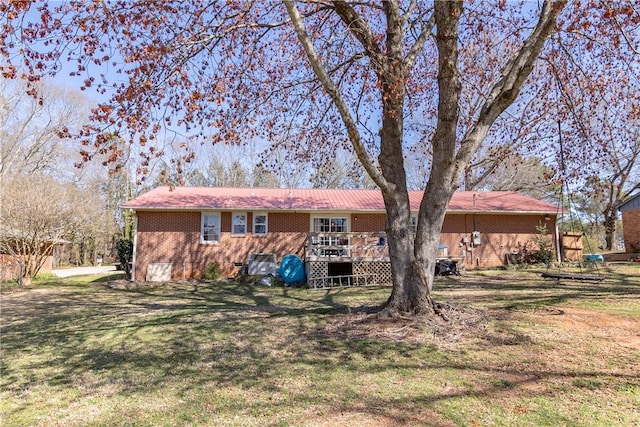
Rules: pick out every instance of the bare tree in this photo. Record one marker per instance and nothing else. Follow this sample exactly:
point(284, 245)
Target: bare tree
point(528, 175)
point(31, 143)
point(605, 190)
point(30, 128)
point(263, 177)
point(37, 213)
point(342, 172)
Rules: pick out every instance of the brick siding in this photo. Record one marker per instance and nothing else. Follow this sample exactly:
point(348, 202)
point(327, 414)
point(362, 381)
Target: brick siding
point(361, 223)
point(174, 237)
point(10, 266)
point(631, 230)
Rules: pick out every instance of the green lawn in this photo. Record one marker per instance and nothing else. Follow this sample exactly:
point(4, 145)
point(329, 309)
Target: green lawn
point(520, 350)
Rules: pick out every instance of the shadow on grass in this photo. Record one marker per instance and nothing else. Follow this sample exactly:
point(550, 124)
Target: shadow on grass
point(110, 277)
point(511, 290)
point(131, 338)
point(160, 329)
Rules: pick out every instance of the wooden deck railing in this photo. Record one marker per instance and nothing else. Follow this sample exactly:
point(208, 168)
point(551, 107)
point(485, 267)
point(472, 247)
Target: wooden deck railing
point(346, 245)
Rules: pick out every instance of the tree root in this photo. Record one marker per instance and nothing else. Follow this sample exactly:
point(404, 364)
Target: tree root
point(437, 309)
point(388, 313)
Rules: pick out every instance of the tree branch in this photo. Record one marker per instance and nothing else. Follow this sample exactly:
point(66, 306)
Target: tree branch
point(362, 33)
point(506, 90)
point(426, 29)
point(447, 15)
point(334, 93)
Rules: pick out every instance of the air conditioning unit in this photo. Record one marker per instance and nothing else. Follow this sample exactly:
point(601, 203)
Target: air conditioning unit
point(262, 264)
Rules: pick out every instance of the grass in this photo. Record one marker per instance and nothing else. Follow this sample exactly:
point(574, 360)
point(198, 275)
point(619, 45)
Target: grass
point(94, 351)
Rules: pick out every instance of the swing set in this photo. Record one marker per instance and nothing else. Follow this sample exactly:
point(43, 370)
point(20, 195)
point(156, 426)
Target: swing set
point(579, 275)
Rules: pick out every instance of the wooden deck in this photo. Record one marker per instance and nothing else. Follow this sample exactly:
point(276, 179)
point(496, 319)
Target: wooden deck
point(365, 254)
point(329, 256)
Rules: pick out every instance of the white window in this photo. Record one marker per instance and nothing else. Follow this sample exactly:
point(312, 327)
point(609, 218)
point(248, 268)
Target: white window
point(260, 224)
point(210, 230)
point(239, 224)
point(330, 245)
point(414, 224)
point(330, 225)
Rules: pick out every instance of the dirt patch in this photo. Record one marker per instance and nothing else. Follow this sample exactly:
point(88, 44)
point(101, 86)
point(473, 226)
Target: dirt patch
point(615, 329)
point(467, 324)
point(464, 324)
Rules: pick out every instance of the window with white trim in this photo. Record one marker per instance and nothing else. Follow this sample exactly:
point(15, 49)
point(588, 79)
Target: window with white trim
point(330, 225)
point(239, 224)
point(414, 224)
point(260, 221)
point(210, 228)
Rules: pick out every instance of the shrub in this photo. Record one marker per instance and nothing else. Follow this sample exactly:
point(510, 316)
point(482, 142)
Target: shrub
point(540, 257)
point(212, 272)
point(125, 254)
point(544, 254)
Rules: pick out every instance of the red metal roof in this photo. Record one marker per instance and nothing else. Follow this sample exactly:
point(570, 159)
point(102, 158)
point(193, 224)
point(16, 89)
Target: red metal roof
point(314, 199)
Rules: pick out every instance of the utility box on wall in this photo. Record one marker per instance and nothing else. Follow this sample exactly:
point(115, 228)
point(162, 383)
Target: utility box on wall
point(475, 238)
point(262, 264)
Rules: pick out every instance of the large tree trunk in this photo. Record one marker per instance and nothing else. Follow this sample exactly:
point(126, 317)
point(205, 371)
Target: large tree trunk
point(413, 258)
point(411, 290)
point(413, 293)
point(609, 227)
point(411, 279)
point(409, 293)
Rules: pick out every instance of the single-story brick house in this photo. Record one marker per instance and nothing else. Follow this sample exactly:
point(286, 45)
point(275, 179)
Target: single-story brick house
point(630, 209)
point(180, 231)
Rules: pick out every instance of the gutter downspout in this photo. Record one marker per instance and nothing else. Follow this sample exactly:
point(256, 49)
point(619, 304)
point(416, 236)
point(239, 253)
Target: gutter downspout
point(135, 247)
